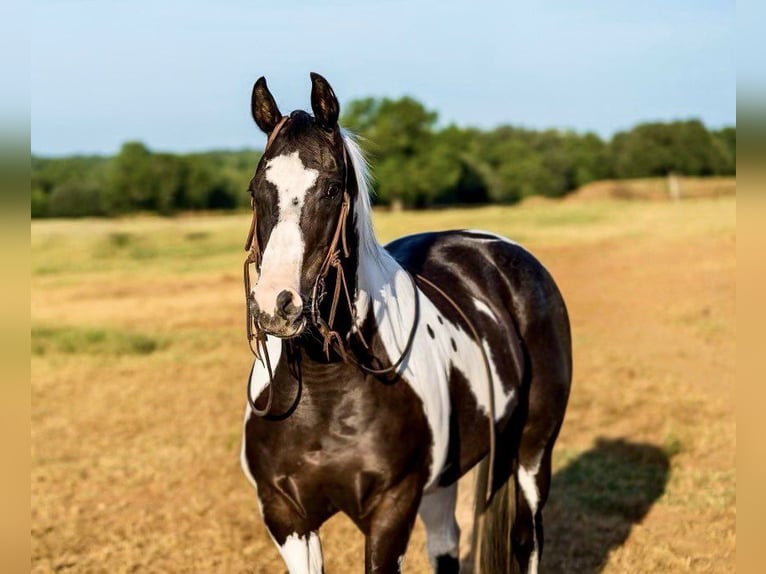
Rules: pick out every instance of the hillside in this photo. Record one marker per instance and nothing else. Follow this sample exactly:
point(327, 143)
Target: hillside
point(656, 188)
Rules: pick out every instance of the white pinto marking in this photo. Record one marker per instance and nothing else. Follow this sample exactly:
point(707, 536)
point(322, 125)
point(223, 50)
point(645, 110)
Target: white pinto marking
point(283, 257)
point(437, 510)
point(259, 377)
point(259, 380)
point(385, 286)
point(302, 555)
point(528, 484)
point(529, 487)
point(484, 308)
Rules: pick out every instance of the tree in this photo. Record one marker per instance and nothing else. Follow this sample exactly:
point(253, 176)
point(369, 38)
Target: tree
point(168, 174)
point(590, 158)
point(415, 163)
point(74, 199)
point(400, 133)
point(131, 181)
point(726, 146)
point(657, 149)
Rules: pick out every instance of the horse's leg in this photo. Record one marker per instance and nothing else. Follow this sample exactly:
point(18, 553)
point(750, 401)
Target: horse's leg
point(437, 510)
point(302, 554)
point(389, 527)
point(549, 349)
point(533, 478)
point(298, 544)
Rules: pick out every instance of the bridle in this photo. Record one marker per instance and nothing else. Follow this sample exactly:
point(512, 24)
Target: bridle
point(337, 252)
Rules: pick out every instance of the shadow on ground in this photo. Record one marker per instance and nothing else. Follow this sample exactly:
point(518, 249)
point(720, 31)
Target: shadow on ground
point(596, 499)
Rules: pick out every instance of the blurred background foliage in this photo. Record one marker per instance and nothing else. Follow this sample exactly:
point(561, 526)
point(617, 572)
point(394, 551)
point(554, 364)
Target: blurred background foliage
point(416, 163)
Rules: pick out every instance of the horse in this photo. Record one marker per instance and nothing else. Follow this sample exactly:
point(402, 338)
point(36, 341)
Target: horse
point(383, 374)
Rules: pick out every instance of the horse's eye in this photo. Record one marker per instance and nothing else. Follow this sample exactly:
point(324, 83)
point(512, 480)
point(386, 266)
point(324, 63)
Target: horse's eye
point(332, 190)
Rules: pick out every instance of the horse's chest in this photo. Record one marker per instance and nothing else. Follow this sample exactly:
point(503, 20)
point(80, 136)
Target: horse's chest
point(344, 445)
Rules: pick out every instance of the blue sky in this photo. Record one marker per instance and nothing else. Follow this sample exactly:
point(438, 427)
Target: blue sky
point(177, 75)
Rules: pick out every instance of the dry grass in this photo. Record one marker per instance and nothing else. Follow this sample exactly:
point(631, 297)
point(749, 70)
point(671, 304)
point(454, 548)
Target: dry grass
point(139, 364)
point(657, 188)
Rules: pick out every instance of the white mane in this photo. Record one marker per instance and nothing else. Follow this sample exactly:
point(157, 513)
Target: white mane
point(368, 243)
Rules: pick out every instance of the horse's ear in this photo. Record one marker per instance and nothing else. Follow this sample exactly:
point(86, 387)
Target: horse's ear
point(323, 102)
point(264, 108)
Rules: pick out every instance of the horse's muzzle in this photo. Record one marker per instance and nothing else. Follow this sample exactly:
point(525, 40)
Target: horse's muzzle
point(286, 320)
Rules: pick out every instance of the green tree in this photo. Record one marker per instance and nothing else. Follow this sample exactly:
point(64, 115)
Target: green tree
point(726, 146)
point(131, 180)
point(415, 163)
point(167, 186)
point(657, 149)
point(399, 133)
point(39, 202)
point(590, 158)
point(74, 199)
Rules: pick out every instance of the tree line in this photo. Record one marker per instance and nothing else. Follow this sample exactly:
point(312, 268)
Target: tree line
point(415, 163)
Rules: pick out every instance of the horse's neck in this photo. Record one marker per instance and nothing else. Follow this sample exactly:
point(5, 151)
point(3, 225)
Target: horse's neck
point(385, 288)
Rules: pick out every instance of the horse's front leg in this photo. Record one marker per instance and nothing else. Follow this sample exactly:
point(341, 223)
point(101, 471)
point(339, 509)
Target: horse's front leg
point(390, 526)
point(297, 540)
point(302, 553)
point(294, 534)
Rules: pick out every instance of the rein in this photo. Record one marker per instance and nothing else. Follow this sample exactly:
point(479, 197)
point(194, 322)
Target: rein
point(338, 247)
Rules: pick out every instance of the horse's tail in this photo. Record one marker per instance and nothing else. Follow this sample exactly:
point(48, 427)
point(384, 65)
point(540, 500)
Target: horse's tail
point(491, 543)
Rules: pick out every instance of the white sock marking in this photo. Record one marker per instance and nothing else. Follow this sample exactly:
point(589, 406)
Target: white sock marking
point(302, 555)
point(437, 510)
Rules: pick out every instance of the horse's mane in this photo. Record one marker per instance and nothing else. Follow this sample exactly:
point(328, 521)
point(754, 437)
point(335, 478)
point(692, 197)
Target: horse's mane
point(363, 204)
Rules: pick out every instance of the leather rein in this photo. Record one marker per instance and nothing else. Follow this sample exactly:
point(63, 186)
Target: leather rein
point(332, 339)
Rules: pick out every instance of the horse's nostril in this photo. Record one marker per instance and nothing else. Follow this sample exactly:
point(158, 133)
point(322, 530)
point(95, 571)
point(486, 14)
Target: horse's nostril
point(288, 304)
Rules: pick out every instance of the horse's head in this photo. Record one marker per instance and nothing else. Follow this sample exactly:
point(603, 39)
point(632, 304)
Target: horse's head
point(299, 195)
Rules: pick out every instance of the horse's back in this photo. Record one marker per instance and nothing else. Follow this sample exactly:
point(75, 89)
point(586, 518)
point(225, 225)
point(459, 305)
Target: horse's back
point(482, 264)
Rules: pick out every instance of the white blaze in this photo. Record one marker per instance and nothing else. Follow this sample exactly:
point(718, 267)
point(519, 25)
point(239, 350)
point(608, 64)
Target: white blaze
point(283, 257)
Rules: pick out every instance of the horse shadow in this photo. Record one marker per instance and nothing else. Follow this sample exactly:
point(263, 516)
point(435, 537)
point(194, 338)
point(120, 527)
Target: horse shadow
point(595, 500)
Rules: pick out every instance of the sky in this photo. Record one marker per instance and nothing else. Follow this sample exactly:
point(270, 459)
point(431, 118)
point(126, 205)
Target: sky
point(178, 75)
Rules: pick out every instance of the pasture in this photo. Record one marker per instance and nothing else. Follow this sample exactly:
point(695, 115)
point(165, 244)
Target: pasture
point(139, 364)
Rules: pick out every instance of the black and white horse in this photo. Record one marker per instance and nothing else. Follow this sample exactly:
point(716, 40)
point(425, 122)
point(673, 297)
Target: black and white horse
point(374, 401)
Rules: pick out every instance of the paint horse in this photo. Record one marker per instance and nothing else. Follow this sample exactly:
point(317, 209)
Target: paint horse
point(384, 374)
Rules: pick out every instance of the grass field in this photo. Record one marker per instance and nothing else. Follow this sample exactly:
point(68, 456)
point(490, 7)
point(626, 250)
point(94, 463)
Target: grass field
point(139, 364)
